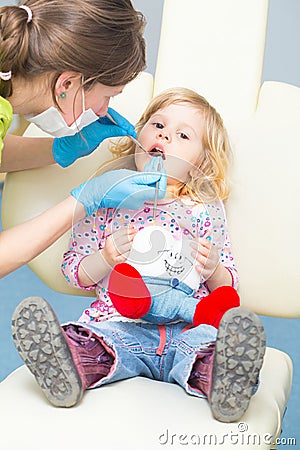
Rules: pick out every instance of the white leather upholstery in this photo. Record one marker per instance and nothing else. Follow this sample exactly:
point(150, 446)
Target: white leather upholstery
point(263, 214)
point(215, 47)
point(136, 414)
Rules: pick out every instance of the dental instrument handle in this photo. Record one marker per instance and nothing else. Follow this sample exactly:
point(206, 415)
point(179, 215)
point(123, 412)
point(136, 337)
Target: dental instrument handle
point(129, 135)
point(155, 202)
point(137, 143)
point(156, 195)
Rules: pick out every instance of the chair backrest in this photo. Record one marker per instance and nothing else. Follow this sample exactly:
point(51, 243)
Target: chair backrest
point(216, 48)
point(263, 211)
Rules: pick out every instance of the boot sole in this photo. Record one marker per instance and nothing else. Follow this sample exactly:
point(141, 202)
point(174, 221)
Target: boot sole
point(239, 354)
point(41, 344)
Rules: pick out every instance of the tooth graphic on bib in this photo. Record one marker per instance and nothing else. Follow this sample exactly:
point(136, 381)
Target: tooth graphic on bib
point(155, 252)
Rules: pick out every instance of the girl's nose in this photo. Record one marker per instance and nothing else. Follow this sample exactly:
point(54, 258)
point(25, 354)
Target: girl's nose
point(162, 134)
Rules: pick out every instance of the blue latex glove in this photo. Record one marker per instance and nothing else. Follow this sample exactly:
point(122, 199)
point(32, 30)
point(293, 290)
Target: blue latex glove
point(69, 148)
point(119, 189)
point(155, 164)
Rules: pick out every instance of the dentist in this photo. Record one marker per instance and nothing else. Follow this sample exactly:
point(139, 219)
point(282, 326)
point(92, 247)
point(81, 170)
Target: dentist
point(60, 64)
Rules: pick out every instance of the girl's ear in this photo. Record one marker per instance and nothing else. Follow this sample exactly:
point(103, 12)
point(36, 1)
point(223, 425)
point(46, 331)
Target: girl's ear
point(67, 82)
point(195, 172)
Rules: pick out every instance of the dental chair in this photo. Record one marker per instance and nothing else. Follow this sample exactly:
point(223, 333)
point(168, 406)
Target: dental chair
point(216, 48)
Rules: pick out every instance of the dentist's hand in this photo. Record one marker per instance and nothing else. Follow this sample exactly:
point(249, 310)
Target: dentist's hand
point(69, 148)
point(154, 166)
point(119, 189)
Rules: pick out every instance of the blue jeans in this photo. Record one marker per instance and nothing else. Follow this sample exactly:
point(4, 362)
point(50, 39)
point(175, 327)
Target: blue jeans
point(171, 300)
point(160, 352)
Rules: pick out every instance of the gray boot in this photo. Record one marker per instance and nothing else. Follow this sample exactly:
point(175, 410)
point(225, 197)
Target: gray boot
point(65, 361)
point(228, 373)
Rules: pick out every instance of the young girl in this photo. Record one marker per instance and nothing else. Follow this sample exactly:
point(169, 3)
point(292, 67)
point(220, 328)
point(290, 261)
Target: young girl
point(59, 66)
point(221, 365)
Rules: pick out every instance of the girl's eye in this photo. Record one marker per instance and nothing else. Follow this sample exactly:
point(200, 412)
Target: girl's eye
point(158, 125)
point(183, 136)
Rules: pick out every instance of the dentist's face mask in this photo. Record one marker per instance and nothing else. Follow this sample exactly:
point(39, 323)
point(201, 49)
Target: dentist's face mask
point(52, 122)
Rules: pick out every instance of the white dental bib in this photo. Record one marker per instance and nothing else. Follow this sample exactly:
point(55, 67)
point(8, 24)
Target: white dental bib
point(156, 253)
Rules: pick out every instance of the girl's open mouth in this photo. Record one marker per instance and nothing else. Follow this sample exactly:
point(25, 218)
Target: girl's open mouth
point(155, 151)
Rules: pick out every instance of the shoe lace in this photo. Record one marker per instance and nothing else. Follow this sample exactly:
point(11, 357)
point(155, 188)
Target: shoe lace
point(78, 335)
point(84, 338)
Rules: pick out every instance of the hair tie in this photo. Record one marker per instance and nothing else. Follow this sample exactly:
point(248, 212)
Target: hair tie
point(29, 12)
point(5, 76)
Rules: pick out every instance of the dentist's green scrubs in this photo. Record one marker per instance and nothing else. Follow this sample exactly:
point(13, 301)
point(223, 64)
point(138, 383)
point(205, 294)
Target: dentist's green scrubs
point(6, 115)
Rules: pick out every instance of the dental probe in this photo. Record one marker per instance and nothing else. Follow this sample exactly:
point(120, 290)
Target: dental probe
point(155, 198)
point(129, 135)
point(147, 153)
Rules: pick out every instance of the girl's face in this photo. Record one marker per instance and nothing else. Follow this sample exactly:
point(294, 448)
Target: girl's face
point(176, 131)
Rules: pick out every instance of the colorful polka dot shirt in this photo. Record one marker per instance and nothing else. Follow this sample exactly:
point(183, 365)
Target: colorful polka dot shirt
point(180, 217)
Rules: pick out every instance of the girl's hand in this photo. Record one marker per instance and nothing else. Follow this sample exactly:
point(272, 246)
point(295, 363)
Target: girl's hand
point(118, 245)
point(206, 255)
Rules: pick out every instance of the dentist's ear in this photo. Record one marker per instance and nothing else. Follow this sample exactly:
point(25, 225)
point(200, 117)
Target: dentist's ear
point(68, 83)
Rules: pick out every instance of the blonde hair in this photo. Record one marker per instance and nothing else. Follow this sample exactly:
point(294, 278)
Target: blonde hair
point(209, 182)
point(101, 39)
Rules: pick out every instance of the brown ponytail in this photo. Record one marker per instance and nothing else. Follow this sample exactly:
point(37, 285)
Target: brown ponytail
point(101, 39)
point(13, 42)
